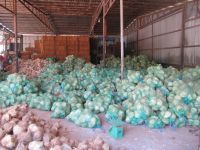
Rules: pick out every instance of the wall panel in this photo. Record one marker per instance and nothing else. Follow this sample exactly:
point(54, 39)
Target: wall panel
point(145, 44)
point(145, 32)
point(171, 36)
point(167, 25)
point(167, 40)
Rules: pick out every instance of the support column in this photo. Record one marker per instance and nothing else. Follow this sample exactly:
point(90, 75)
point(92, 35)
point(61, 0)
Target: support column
point(183, 35)
point(15, 31)
point(137, 37)
point(152, 53)
point(122, 38)
point(104, 33)
point(21, 43)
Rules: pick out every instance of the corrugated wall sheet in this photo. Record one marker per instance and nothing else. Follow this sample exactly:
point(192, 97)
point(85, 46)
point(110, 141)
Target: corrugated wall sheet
point(192, 36)
point(162, 39)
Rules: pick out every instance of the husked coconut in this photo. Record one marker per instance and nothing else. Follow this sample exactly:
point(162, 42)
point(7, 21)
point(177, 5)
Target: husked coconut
point(83, 146)
point(34, 118)
point(24, 137)
point(21, 146)
point(98, 141)
point(57, 147)
point(3, 148)
point(17, 129)
point(105, 147)
point(8, 141)
point(12, 112)
point(56, 125)
point(14, 120)
point(36, 145)
point(72, 142)
point(64, 139)
point(38, 135)
point(55, 141)
point(2, 133)
point(27, 117)
point(23, 108)
point(5, 118)
point(8, 127)
point(33, 128)
point(66, 147)
point(47, 139)
point(62, 132)
point(23, 124)
point(42, 123)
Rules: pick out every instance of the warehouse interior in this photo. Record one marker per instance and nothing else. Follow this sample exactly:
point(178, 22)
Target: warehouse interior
point(100, 74)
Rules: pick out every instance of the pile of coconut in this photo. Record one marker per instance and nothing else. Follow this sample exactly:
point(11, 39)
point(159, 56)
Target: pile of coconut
point(20, 129)
point(30, 68)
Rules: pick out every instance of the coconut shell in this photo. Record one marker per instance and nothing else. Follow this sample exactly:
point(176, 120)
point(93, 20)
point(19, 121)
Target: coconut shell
point(55, 141)
point(98, 141)
point(83, 146)
point(17, 129)
point(38, 135)
point(8, 141)
point(23, 124)
point(32, 133)
point(33, 128)
point(12, 112)
point(24, 137)
point(57, 147)
point(3, 148)
point(2, 133)
point(47, 139)
point(105, 147)
point(5, 118)
point(66, 147)
point(64, 139)
point(36, 145)
point(21, 146)
point(7, 127)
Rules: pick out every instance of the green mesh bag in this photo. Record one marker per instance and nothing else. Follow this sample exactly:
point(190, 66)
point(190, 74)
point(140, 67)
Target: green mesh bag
point(155, 122)
point(60, 109)
point(84, 118)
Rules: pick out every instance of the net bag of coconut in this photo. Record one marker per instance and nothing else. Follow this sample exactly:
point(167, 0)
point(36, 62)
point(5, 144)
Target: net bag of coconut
point(84, 118)
point(60, 109)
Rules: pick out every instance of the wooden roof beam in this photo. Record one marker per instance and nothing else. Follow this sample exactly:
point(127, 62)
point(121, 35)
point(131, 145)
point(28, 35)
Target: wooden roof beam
point(96, 16)
point(4, 4)
point(108, 5)
point(45, 19)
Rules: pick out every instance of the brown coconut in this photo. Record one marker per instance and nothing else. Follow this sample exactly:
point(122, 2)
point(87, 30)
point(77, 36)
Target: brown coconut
point(8, 141)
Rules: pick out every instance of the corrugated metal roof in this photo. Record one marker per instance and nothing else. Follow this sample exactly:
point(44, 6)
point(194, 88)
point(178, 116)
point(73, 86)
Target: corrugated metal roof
point(74, 16)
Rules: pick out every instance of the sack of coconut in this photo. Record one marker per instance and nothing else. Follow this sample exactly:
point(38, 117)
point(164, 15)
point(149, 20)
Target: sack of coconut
point(139, 113)
point(41, 101)
point(60, 109)
point(115, 111)
point(134, 76)
point(155, 122)
point(84, 118)
point(100, 103)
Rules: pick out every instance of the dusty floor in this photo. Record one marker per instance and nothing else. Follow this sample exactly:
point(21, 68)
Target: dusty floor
point(136, 137)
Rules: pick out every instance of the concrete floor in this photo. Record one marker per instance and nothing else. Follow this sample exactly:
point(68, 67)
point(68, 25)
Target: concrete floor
point(136, 137)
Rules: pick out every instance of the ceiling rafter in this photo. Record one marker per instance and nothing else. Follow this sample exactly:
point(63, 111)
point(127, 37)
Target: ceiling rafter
point(96, 15)
point(6, 5)
point(76, 16)
point(40, 15)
